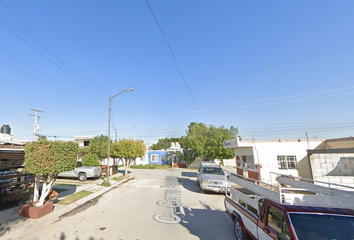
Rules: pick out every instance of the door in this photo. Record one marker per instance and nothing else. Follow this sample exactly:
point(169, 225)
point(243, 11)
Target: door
point(275, 226)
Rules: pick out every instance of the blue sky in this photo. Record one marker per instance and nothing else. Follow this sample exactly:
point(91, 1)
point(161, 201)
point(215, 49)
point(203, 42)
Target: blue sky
point(273, 69)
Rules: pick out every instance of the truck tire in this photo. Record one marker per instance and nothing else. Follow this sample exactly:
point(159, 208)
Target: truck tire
point(82, 177)
point(239, 233)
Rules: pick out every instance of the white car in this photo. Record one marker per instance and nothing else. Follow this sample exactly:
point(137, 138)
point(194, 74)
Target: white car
point(212, 178)
point(83, 172)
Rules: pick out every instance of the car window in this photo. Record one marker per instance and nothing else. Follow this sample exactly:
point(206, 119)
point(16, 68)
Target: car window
point(212, 170)
point(323, 226)
point(277, 221)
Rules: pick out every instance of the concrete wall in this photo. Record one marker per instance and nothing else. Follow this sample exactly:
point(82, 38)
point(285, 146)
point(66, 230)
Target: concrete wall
point(333, 167)
point(229, 162)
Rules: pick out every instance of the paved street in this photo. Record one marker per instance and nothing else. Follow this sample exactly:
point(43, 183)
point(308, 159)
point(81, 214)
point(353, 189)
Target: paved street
point(157, 204)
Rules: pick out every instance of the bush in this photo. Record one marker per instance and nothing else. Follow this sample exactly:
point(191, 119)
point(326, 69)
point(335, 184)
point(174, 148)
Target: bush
point(90, 160)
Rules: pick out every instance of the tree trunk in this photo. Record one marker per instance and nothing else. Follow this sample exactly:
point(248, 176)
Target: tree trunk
point(48, 182)
point(36, 189)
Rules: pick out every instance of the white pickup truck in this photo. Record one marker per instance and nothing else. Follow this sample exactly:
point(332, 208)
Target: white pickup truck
point(83, 172)
point(294, 210)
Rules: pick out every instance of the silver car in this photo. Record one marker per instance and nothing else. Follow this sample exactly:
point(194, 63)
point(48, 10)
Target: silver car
point(83, 172)
point(212, 178)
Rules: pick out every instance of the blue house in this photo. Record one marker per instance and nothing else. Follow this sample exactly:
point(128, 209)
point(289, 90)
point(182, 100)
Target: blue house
point(158, 157)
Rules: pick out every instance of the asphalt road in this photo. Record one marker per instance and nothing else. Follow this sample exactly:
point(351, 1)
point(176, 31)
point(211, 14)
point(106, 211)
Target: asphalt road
point(157, 204)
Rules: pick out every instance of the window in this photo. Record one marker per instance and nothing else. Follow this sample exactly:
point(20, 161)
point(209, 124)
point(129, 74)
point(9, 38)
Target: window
point(86, 143)
point(274, 218)
point(212, 170)
point(248, 162)
point(277, 222)
point(287, 162)
point(154, 158)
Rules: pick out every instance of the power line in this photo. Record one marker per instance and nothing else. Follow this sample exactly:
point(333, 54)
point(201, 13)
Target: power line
point(152, 12)
point(66, 68)
point(190, 93)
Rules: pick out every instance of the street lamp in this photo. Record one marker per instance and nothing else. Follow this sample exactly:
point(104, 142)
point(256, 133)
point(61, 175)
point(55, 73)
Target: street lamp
point(109, 128)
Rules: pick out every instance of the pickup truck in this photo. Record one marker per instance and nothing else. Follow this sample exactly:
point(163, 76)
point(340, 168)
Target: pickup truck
point(83, 172)
point(296, 213)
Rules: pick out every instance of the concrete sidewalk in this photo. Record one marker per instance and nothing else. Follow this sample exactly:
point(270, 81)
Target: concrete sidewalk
point(12, 224)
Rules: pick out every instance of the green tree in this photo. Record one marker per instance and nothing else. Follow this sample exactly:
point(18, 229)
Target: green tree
point(129, 150)
point(46, 159)
point(99, 146)
point(163, 143)
point(90, 160)
point(42, 137)
point(207, 142)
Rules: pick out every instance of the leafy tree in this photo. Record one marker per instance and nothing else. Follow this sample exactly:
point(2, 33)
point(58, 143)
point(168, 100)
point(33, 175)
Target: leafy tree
point(46, 159)
point(99, 146)
point(163, 143)
point(42, 137)
point(128, 149)
point(187, 155)
point(207, 142)
point(90, 160)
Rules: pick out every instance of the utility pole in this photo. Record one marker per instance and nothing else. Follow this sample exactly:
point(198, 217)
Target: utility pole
point(109, 128)
point(116, 132)
point(36, 127)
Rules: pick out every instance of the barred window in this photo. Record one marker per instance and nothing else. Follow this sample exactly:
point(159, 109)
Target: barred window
point(287, 162)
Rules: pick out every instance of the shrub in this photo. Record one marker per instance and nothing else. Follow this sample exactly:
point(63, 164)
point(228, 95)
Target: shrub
point(90, 160)
point(46, 159)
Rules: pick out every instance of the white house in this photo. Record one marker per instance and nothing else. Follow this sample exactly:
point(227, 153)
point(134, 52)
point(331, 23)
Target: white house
point(83, 140)
point(257, 159)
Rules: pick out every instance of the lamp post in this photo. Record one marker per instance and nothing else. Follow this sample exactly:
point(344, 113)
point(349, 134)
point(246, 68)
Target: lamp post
point(109, 128)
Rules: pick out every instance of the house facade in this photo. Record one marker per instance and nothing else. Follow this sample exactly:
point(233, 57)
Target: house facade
point(166, 156)
point(158, 157)
point(260, 159)
point(16, 186)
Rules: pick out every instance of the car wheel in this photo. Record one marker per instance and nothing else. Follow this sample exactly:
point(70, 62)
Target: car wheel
point(239, 233)
point(201, 190)
point(82, 177)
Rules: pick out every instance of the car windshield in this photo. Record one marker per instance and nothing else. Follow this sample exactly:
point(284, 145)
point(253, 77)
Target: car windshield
point(212, 170)
point(324, 227)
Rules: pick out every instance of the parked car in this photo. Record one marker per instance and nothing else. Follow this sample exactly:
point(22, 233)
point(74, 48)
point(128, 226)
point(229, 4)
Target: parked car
point(83, 172)
point(211, 177)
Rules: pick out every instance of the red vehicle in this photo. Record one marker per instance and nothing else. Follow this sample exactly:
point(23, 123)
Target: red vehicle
point(286, 215)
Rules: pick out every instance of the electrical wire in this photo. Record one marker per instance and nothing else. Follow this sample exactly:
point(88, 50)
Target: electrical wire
point(65, 67)
point(168, 43)
point(190, 93)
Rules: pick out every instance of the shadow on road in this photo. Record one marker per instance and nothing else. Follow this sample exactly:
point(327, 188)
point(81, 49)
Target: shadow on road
point(8, 218)
point(189, 174)
point(122, 171)
point(190, 185)
point(219, 223)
